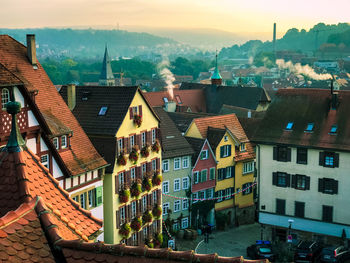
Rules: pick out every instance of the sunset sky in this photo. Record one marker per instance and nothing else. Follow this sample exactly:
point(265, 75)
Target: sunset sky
point(229, 15)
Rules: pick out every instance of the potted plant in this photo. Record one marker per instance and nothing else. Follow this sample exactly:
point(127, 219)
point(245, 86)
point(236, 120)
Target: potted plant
point(147, 184)
point(135, 189)
point(124, 195)
point(145, 151)
point(138, 119)
point(147, 217)
point(157, 211)
point(158, 239)
point(121, 160)
point(134, 154)
point(156, 146)
point(136, 224)
point(157, 178)
point(125, 230)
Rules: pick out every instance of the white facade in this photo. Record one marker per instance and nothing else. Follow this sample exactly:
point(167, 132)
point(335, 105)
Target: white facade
point(313, 199)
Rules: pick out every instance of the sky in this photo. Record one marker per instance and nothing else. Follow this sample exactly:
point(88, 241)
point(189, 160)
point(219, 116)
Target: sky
point(228, 15)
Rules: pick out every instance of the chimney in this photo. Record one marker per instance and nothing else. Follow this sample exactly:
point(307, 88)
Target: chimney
point(31, 49)
point(170, 106)
point(274, 38)
point(71, 96)
point(334, 95)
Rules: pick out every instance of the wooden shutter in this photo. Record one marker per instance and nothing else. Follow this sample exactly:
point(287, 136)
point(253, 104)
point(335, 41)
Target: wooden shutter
point(221, 151)
point(149, 137)
point(307, 182)
point(274, 178)
point(140, 110)
point(126, 144)
point(336, 160)
point(321, 159)
point(131, 113)
point(159, 197)
point(148, 166)
point(117, 218)
point(138, 140)
point(288, 180)
point(289, 154)
point(229, 150)
point(320, 185)
point(128, 178)
point(158, 164)
point(294, 181)
point(138, 172)
point(335, 187)
point(150, 200)
point(275, 151)
point(233, 171)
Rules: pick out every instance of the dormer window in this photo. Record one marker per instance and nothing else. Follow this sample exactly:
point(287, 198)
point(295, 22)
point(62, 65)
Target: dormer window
point(242, 147)
point(5, 98)
point(64, 141)
point(225, 138)
point(334, 129)
point(309, 127)
point(289, 126)
point(55, 143)
point(103, 111)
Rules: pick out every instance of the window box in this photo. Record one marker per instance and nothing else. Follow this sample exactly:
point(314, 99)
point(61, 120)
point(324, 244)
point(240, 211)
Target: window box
point(157, 178)
point(136, 224)
point(146, 184)
point(124, 195)
point(134, 154)
point(147, 217)
point(145, 151)
point(135, 190)
point(156, 146)
point(121, 160)
point(138, 120)
point(125, 230)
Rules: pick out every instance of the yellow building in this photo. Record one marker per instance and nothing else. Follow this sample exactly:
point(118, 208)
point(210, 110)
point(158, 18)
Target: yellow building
point(235, 169)
point(124, 129)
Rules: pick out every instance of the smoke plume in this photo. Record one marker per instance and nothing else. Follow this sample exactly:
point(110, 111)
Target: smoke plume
point(303, 70)
point(167, 76)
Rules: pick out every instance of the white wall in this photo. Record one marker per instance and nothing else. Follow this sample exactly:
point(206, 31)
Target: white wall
point(56, 171)
point(31, 144)
point(32, 121)
point(18, 96)
point(43, 146)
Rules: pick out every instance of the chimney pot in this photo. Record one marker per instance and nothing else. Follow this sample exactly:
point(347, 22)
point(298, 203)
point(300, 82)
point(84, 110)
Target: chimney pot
point(31, 49)
point(71, 96)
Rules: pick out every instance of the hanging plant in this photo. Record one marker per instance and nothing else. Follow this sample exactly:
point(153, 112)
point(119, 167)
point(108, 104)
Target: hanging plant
point(145, 151)
point(124, 195)
point(149, 243)
point(125, 230)
point(156, 146)
point(135, 189)
point(136, 224)
point(157, 178)
point(157, 211)
point(147, 184)
point(134, 154)
point(121, 160)
point(147, 217)
point(158, 239)
point(138, 119)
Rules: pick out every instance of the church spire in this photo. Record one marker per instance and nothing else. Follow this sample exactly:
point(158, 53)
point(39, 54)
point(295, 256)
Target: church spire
point(106, 77)
point(216, 78)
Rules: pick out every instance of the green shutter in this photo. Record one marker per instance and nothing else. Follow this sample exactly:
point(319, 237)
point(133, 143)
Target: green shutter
point(99, 194)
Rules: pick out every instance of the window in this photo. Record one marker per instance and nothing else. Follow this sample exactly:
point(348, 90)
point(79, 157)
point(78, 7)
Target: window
point(209, 193)
point(177, 205)
point(166, 206)
point(143, 139)
point(92, 197)
point(196, 177)
point(134, 110)
point(5, 98)
point(225, 138)
point(103, 111)
point(133, 173)
point(154, 195)
point(184, 222)
point(309, 127)
point(176, 226)
point(185, 181)
point(289, 126)
point(133, 209)
point(219, 195)
point(177, 163)
point(281, 179)
point(134, 239)
point(143, 169)
point(76, 198)
point(185, 162)
point(132, 141)
point(247, 189)
point(229, 172)
point(329, 159)
point(302, 155)
point(165, 165)
point(166, 187)
point(122, 214)
point(154, 164)
point(248, 167)
point(299, 209)
point(212, 173)
point(145, 231)
point(242, 147)
point(280, 206)
point(177, 186)
point(184, 204)
point(300, 182)
point(64, 141)
point(194, 198)
point(327, 186)
point(121, 178)
point(282, 154)
point(228, 193)
point(225, 151)
point(333, 130)
point(153, 136)
point(55, 143)
point(82, 198)
point(327, 213)
point(144, 203)
point(204, 174)
point(221, 173)
point(120, 145)
point(204, 155)
point(201, 195)
point(44, 159)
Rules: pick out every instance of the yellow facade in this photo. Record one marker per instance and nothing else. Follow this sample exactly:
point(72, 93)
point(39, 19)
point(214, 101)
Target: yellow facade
point(149, 121)
point(193, 131)
point(243, 200)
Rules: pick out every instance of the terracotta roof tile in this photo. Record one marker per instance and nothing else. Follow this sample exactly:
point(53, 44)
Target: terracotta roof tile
point(81, 156)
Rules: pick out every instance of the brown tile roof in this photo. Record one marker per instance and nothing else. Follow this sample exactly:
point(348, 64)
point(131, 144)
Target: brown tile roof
point(303, 106)
point(81, 156)
point(194, 99)
point(23, 177)
point(7, 78)
point(183, 119)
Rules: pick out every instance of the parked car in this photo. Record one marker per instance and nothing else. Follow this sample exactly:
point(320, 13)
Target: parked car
point(334, 254)
point(307, 251)
point(261, 250)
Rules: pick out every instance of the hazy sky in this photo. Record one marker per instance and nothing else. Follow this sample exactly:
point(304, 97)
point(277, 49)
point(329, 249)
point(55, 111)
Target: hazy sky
point(229, 15)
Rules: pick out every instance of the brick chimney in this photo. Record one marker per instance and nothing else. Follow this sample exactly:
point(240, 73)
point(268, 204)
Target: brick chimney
point(71, 96)
point(31, 49)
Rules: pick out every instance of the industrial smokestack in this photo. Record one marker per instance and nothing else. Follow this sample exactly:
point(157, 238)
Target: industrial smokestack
point(31, 49)
point(274, 38)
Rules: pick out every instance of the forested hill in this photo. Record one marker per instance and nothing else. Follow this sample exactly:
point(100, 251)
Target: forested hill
point(90, 43)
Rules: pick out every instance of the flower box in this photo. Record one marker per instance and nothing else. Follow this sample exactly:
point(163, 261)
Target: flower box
point(136, 224)
point(134, 154)
point(157, 211)
point(157, 179)
point(147, 217)
point(138, 120)
point(147, 184)
point(125, 230)
point(145, 151)
point(124, 195)
point(156, 146)
point(135, 189)
point(121, 160)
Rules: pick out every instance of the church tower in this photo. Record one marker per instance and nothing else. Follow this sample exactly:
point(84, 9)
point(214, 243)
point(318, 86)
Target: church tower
point(216, 78)
point(106, 77)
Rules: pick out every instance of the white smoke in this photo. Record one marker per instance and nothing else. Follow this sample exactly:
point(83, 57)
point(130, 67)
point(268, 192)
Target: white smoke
point(167, 76)
point(304, 70)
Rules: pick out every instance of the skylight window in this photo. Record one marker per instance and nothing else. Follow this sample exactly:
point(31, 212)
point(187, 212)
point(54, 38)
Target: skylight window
point(334, 129)
point(289, 126)
point(309, 127)
point(103, 111)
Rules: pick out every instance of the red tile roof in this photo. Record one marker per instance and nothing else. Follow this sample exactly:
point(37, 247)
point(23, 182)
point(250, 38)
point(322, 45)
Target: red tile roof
point(82, 156)
point(194, 99)
point(23, 177)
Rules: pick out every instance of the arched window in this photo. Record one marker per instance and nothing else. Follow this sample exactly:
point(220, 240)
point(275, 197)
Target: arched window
point(5, 98)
